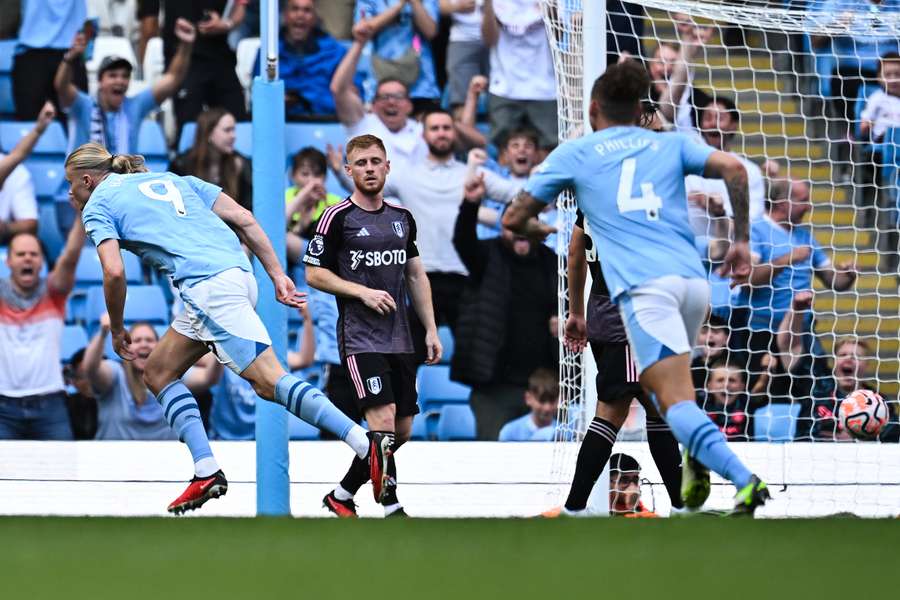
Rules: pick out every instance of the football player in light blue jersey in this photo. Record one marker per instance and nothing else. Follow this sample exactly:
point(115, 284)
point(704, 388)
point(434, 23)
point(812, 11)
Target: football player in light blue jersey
point(629, 183)
point(180, 225)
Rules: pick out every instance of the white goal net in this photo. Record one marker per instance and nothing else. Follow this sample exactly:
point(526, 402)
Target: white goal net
point(808, 94)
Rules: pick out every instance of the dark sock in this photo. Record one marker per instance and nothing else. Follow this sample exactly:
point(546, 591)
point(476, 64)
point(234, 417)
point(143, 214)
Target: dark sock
point(592, 457)
point(667, 456)
point(358, 473)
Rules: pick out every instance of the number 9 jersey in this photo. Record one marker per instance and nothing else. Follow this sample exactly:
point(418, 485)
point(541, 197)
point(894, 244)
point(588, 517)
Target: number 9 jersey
point(166, 220)
point(629, 183)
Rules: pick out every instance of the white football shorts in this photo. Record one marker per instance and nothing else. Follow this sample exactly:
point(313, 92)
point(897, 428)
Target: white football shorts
point(220, 312)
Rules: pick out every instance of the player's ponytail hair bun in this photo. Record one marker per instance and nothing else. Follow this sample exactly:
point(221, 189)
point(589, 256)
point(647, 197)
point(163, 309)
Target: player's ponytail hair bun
point(621, 90)
point(94, 157)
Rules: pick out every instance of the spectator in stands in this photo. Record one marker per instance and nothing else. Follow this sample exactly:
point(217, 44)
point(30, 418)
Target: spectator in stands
point(126, 410)
point(542, 400)
point(18, 207)
point(467, 55)
point(401, 38)
point(726, 401)
point(625, 487)
point(112, 118)
point(785, 258)
point(306, 200)
point(882, 109)
point(857, 56)
point(719, 120)
point(308, 58)
point(711, 348)
point(502, 335)
point(337, 17)
point(81, 403)
point(32, 396)
point(431, 189)
point(46, 31)
point(211, 80)
point(214, 159)
point(523, 85)
point(672, 74)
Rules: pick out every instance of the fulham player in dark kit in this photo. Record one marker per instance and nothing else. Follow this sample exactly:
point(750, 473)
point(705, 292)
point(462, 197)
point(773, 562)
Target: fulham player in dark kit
point(364, 252)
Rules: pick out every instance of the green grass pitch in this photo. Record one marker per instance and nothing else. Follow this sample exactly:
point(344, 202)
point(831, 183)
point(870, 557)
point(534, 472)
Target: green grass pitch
point(168, 559)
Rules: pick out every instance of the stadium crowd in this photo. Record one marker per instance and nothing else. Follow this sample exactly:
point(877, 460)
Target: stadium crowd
point(464, 96)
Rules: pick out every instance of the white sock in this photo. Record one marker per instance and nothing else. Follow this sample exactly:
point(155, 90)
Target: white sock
point(391, 508)
point(359, 441)
point(205, 467)
point(575, 513)
point(342, 494)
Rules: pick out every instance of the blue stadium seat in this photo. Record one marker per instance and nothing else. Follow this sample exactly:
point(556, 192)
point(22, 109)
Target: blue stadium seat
point(436, 389)
point(151, 140)
point(299, 429)
point(447, 342)
point(49, 232)
point(48, 174)
point(457, 422)
point(776, 422)
point(318, 135)
point(243, 144)
point(74, 338)
point(89, 272)
point(7, 54)
point(52, 142)
point(143, 303)
point(419, 428)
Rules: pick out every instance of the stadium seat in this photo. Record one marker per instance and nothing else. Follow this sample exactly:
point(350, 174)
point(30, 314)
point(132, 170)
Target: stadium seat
point(74, 338)
point(151, 140)
point(299, 429)
point(447, 343)
point(49, 232)
point(776, 422)
point(89, 272)
point(419, 428)
point(53, 142)
point(457, 422)
point(7, 53)
point(318, 135)
point(143, 303)
point(436, 389)
point(48, 175)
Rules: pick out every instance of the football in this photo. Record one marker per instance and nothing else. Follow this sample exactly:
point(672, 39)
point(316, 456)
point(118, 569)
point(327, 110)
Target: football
point(863, 413)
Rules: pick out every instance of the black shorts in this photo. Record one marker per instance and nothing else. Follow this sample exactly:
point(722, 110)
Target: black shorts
point(617, 373)
point(381, 379)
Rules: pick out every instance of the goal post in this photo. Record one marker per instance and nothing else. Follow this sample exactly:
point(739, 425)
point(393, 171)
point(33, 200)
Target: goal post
point(800, 92)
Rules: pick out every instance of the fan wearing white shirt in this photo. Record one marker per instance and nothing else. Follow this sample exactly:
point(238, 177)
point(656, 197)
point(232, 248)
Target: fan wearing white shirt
point(882, 110)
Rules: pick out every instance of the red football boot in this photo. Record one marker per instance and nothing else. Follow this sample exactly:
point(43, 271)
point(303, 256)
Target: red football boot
point(199, 490)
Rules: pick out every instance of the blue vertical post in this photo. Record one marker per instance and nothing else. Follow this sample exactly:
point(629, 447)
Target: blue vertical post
point(273, 496)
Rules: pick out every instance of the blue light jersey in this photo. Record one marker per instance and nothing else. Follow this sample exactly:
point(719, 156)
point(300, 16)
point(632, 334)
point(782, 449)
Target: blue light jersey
point(629, 183)
point(168, 221)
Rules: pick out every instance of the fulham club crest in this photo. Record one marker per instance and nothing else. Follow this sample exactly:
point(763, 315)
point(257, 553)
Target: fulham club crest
point(398, 228)
point(374, 384)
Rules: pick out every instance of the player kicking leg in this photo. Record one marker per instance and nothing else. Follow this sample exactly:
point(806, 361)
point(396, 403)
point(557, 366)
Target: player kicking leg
point(181, 225)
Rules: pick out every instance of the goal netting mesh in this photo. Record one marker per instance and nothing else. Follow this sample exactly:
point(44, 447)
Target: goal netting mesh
point(799, 91)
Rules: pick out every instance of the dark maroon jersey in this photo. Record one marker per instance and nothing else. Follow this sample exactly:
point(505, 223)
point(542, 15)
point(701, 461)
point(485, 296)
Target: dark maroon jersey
point(604, 324)
point(369, 248)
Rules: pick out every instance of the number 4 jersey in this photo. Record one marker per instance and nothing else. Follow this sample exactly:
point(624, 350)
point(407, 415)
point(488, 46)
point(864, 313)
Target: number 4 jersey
point(629, 183)
point(369, 248)
point(166, 220)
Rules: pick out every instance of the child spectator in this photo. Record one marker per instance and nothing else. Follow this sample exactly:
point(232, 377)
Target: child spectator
point(882, 110)
point(80, 400)
point(726, 401)
point(625, 487)
point(542, 400)
point(214, 159)
point(712, 348)
point(306, 200)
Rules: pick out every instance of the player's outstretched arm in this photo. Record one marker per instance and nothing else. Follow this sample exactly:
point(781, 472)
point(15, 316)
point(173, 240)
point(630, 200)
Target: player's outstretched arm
point(114, 289)
point(420, 294)
point(329, 282)
point(576, 328)
point(521, 217)
point(62, 277)
point(244, 223)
